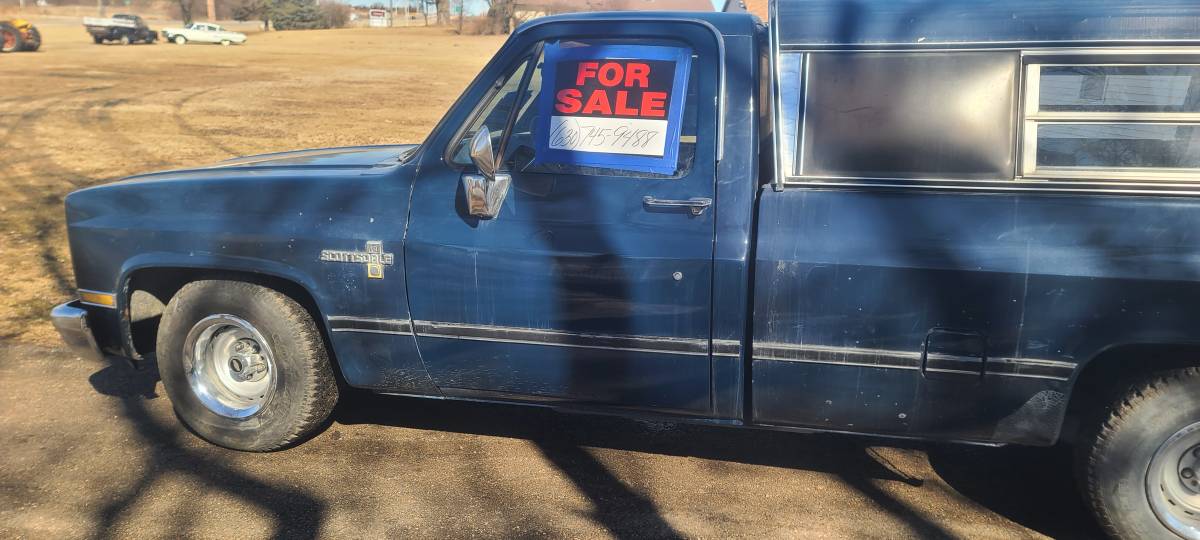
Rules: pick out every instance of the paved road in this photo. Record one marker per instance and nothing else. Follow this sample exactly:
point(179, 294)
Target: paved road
point(91, 448)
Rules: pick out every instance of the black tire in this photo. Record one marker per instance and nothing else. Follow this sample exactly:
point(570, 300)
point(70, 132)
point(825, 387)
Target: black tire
point(97, 40)
point(35, 40)
point(10, 38)
point(1115, 459)
point(304, 392)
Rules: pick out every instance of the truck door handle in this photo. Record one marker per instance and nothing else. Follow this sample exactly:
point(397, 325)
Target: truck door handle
point(695, 204)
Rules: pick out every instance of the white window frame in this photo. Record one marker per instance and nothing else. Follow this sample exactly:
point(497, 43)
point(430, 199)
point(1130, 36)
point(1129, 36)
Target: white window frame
point(1033, 116)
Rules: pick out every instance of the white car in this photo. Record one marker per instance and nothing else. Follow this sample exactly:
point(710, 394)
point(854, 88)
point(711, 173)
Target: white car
point(199, 32)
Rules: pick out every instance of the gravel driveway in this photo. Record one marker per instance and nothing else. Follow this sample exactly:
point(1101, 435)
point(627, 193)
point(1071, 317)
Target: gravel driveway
point(91, 448)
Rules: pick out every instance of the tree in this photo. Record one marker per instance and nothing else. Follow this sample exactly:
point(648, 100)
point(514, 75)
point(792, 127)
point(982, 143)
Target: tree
point(295, 14)
point(443, 11)
point(185, 11)
point(245, 10)
point(499, 16)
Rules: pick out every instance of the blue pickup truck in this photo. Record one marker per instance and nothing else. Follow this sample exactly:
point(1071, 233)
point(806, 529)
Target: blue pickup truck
point(961, 221)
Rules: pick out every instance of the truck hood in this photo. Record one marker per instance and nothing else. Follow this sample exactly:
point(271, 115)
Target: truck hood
point(344, 160)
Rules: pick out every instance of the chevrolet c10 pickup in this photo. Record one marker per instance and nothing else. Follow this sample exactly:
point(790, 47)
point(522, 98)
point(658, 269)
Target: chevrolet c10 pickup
point(960, 221)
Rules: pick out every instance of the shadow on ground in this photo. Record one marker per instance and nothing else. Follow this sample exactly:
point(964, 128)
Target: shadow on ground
point(296, 513)
point(1030, 486)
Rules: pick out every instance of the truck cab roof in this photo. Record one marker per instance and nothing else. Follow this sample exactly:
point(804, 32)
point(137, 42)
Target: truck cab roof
point(834, 23)
point(730, 24)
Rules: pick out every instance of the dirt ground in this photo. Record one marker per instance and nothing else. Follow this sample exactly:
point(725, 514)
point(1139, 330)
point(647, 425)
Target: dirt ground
point(77, 114)
point(90, 448)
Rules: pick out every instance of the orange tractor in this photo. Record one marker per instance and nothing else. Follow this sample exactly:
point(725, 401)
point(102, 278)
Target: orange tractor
point(19, 35)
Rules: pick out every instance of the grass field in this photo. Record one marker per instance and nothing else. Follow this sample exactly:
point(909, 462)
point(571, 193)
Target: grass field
point(77, 114)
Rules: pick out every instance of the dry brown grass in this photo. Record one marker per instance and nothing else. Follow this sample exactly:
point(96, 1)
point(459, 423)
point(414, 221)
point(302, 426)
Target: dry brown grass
point(77, 114)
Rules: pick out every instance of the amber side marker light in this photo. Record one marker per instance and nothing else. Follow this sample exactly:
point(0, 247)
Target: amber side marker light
point(97, 298)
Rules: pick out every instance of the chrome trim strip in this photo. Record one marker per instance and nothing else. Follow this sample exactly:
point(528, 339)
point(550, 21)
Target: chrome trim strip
point(777, 183)
point(113, 295)
point(369, 325)
point(1019, 186)
point(1031, 367)
point(559, 338)
point(850, 356)
point(726, 347)
point(909, 360)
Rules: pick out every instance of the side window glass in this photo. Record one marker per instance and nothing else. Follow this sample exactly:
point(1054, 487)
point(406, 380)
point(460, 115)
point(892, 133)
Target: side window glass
point(530, 131)
point(494, 113)
point(1112, 121)
point(908, 115)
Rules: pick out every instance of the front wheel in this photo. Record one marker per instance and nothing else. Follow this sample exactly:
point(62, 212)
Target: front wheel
point(10, 38)
point(245, 366)
point(1141, 466)
point(180, 40)
point(226, 42)
point(125, 40)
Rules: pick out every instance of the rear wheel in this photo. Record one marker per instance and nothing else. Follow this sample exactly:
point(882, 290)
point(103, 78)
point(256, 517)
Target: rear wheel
point(34, 40)
point(125, 40)
point(10, 38)
point(226, 42)
point(180, 40)
point(1141, 466)
point(244, 365)
point(97, 40)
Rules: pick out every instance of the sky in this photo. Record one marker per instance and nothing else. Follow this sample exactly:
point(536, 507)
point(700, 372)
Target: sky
point(473, 7)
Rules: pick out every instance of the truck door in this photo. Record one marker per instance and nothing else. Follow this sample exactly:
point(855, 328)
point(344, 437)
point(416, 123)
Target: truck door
point(592, 282)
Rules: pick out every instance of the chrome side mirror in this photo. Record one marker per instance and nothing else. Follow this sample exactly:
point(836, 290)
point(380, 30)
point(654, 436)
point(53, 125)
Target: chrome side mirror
point(487, 190)
point(482, 154)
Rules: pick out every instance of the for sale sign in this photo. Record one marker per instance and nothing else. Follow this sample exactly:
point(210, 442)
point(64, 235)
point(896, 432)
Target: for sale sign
point(614, 106)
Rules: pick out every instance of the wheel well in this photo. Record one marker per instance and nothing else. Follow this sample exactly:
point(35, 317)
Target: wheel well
point(1111, 373)
point(148, 291)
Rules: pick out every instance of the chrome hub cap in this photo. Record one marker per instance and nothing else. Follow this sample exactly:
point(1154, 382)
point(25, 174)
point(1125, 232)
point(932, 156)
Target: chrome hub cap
point(1173, 482)
point(229, 366)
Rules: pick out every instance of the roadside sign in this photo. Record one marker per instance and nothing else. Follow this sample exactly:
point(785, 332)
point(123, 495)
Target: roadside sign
point(379, 18)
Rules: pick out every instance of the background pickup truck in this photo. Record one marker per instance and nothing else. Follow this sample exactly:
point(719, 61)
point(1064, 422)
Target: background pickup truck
point(124, 28)
point(840, 223)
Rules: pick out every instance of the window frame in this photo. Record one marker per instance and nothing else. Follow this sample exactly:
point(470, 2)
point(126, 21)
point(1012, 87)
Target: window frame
point(1032, 116)
point(532, 56)
point(1110, 182)
point(525, 57)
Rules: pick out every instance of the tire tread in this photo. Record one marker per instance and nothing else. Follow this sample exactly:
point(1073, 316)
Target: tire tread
point(1113, 419)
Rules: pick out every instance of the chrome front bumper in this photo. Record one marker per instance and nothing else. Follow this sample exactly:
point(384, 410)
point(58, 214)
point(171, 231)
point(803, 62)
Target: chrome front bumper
point(71, 321)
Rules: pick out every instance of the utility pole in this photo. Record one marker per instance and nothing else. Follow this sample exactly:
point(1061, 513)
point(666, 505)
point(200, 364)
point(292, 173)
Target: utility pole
point(212, 10)
point(391, 11)
point(460, 16)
